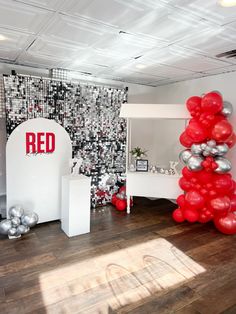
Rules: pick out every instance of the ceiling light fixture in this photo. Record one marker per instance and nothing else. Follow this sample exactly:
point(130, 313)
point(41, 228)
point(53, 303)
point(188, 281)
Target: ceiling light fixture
point(227, 3)
point(140, 66)
point(2, 37)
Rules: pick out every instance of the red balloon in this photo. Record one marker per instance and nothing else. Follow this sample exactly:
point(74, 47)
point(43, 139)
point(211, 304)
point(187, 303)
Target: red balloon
point(194, 200)
point(191, 215)
point(204, 176)
point(185, 184)
point(188, 174)
point(204, 218)
point(223, 183)
point(185, 140)
point(233, 203)
point(181, 200)
point(197, 132)
point(221, 131)
point(231, 140)
point(114, 199)
point(227, 224)
point(194, 105)
point(220, 205)
point(212, 103)
point(121, 205)
point(207, 119)
point(178, 215)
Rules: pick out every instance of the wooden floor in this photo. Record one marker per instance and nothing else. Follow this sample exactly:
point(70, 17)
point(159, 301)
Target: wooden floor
point(138, 263)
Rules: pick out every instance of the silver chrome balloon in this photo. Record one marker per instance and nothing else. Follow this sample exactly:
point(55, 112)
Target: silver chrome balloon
point(211, 143)
point(203, 146)
point(16, 211)
point(185, 155)
point(120, 196)
point(196, 149)
point(21, 229)
point(222, 149)
point(227, 108)
point(15, 221)
point(5, 226)
point(12, 231)
point(214, 151)
point(111, 180)
point(194, 163)
point(206, 153)
point(224, 165)
point(29, 219)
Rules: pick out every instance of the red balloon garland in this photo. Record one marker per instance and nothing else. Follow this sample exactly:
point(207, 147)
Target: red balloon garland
point(209, 190)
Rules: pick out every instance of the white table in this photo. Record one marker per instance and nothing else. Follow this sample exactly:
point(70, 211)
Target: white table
point(149, 184)
point(75, 205)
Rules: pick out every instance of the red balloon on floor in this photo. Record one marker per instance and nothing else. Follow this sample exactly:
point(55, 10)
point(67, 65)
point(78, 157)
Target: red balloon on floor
point(121, 205)
point(226, 224)
point(191, 215)
point(178, 215)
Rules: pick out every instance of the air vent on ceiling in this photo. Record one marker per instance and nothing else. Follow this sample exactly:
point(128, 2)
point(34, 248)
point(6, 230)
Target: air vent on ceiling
point(227, 54)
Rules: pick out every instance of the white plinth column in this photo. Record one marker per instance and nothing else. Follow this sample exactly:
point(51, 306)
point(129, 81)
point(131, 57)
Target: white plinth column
point(75, 209)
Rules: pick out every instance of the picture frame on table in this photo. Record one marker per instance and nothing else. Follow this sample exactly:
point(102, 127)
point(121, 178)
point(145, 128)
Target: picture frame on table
point(142, 165)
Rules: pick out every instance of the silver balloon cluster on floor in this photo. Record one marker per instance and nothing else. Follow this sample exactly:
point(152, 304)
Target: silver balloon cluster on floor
point(19, 223)
point(194, 157)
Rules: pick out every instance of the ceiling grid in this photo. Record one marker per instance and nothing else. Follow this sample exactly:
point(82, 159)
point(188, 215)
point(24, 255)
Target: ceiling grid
point(144, 42)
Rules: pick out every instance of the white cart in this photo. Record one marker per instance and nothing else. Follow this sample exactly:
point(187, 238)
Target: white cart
point(150, 184)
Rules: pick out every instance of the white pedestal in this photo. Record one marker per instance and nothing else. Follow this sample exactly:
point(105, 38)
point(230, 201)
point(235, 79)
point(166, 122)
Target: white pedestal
point(75, 205)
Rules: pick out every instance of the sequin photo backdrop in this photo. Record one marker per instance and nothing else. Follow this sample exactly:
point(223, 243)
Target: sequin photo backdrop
point(90, 114)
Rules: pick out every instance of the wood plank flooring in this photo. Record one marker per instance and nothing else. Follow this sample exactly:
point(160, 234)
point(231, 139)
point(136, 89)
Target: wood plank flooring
point(138, 263)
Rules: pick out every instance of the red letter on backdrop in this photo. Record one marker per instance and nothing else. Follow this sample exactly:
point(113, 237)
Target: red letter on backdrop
point(50, 142)
point(30, 143)
point(40, 142)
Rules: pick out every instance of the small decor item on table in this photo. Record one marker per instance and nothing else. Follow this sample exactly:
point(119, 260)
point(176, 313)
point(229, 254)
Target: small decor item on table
point(142, 165)
point(19, 222)
point(138, 152)
point(75, 164)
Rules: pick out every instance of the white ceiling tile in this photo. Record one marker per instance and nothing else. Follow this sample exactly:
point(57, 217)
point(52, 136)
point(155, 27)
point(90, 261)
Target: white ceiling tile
point(39, 60)
point(221, 70)
point(87, 68)
point(21, 17)
point(185, 59)
point(43, 46)
point(212, 42)
point(118, 13)
point(9, 54)
point(98, 57)
point(209, 10)
point(172, 26)
point(77, 31)
point(47, 4)
point(129, 45)
point(14, 39)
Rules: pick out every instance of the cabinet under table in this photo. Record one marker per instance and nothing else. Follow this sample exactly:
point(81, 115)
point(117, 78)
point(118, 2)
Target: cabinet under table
point(149, 184)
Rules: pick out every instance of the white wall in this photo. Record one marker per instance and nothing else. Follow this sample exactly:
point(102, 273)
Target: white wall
point(180, 92)
point(159, 137)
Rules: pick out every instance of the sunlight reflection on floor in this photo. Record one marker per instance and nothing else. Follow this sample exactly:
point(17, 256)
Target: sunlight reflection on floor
point(116, 279)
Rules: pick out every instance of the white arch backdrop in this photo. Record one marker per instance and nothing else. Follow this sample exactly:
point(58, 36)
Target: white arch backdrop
point(34, 174)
